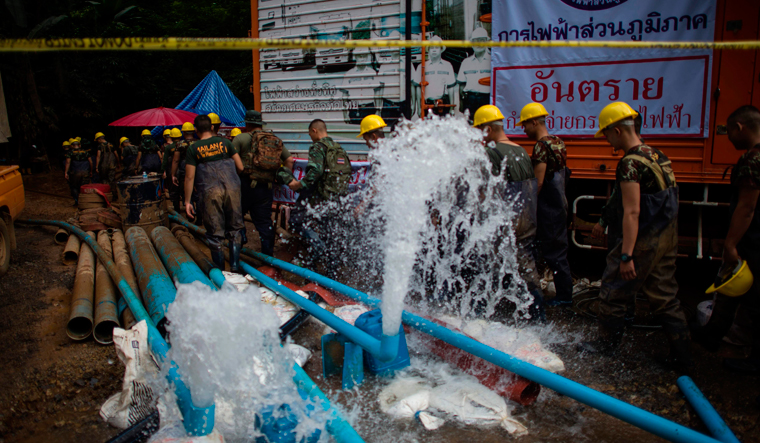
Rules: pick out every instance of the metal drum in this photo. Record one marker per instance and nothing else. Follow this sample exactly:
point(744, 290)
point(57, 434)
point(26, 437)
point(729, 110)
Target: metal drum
point(142, 203)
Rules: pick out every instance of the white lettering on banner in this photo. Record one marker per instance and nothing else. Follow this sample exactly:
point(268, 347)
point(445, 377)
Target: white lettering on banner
point(668, 87)
point(360, 169)
point(573, 94)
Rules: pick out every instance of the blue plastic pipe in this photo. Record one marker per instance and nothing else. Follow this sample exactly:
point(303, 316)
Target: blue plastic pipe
point(177, 261)
point(155, 284)
point(385, 349)
point(718, 428)
point(197, 421)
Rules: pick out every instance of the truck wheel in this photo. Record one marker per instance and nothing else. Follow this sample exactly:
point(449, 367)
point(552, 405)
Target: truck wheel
point(5, 248)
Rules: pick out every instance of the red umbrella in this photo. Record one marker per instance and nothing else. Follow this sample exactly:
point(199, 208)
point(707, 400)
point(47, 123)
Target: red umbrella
point(156, 117)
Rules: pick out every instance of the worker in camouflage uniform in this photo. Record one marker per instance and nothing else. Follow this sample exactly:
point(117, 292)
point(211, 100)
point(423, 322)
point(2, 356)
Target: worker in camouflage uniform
point(184, 139)
point(325, 181)
point(78, 167)
point(549, 160)
point(263, 155)
point(515, 163)
point(742, 242)
point(212, 168)
point(645, 239)
point(106, 162)
point(128, 155)
point(66, 147)
point(149, 155)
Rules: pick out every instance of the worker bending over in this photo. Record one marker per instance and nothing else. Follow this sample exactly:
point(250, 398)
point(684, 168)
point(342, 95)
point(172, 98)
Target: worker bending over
point(645, 239)
point(212, 165)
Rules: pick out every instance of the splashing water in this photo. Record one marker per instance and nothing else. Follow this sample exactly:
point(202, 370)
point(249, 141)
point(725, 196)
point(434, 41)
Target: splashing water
point(227, 347)
point(447, 233)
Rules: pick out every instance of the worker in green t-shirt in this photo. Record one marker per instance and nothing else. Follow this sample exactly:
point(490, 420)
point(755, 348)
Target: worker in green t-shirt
point(212, 167)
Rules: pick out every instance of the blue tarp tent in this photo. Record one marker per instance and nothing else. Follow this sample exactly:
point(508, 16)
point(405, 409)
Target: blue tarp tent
point(211, 95)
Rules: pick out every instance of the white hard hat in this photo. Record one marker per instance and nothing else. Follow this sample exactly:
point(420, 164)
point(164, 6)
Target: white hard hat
point(479, 33)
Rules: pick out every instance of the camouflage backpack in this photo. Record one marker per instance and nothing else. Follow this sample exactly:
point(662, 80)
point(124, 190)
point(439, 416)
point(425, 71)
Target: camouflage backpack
point(337, 171)
point(264, 158)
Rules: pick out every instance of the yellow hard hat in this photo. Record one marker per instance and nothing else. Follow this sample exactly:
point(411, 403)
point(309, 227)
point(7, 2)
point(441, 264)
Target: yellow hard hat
point(168, 132)
point(75, 141)
point(370, 123)
point(235, 132)
point(122, 140)
point(175, 133)
point(735, 284)
point(613, 113)
point(98, 135)
point(66, 143)
point(215, 120)
point(71, 140)
point(530, 111)
point(79, 139)
point(145, 132)
point(187, 127)
point(487, 114)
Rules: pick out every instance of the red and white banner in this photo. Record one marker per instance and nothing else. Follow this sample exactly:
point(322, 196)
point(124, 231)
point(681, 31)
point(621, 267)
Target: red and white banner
point(360, 168)
point(668, 87)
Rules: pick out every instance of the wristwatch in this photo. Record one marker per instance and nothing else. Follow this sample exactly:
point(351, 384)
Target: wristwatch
point(625, 258)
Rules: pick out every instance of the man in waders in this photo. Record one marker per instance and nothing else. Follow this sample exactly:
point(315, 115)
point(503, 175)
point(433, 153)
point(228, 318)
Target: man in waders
point(326, 180)
point(106, 162)
point(549, 166)
point(511, 158)
point(128, 155)
point(78, 166)
point(185, 138)
point(645, 236)
point(66, 147)
point(212, 167)
point(742, 241)
point(263, 154)
point(149, 154)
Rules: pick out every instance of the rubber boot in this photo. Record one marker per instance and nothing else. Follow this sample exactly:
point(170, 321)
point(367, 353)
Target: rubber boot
point(235, 258)
point(610, 337)
point(217, 256)
point(679, 359)
point(243, 234)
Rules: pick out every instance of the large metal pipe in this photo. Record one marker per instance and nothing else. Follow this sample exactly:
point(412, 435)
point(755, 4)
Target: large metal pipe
point(106, 311)
point(638, 417)
point(718, 428)
point(181, 267)
point(124, 265)
point(79, 326)
point(197, 421)
point(187, 241)
point(61, 236)
point(70, 254)
point(157, 288)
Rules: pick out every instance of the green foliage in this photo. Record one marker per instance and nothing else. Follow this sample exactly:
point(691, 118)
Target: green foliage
point(54, 96)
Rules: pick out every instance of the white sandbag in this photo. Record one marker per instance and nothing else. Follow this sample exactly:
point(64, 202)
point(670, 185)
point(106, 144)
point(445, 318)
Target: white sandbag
point(409, 406)
point(300, 354)
point(238, 281)
point(349, 314)
point(430, 421)
point(472, 403)
point(399, 389)
point(517, 342)
point(135, 401)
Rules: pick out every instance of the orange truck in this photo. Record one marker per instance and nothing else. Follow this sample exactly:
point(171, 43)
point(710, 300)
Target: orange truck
point(11, 205)
point(392, 83)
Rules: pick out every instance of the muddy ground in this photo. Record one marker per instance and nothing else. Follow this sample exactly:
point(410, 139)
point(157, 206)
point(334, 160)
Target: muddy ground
point(51, 388)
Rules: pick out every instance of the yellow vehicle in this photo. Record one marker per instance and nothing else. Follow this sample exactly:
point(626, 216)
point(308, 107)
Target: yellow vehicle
point(11, 205)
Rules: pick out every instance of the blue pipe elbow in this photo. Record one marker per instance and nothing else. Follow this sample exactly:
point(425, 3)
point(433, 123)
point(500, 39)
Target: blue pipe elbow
point(388, 348)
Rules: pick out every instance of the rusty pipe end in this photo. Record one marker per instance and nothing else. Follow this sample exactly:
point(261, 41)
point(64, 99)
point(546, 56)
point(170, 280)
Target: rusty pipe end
point(79, 328)
point(61, 236)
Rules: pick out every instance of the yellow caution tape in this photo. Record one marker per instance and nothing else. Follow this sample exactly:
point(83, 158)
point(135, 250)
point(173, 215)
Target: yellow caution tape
point(207, 44)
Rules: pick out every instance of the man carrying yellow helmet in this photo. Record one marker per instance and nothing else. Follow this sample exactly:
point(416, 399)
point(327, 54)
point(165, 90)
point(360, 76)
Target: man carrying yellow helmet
point(742, 245)
point(645, 239)
point(549, 160)
point(510, 159)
